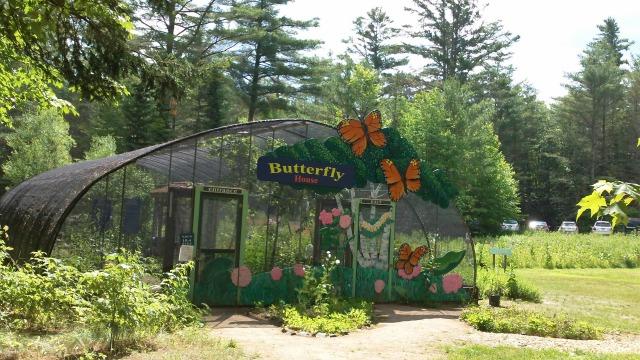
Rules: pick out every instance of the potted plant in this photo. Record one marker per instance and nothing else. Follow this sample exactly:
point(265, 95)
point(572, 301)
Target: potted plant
point(495, 288)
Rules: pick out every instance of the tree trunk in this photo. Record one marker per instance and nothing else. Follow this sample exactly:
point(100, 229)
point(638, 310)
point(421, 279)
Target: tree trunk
point(253, 92)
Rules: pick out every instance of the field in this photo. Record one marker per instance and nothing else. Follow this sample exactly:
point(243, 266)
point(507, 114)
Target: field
point(609, 298)
point(562, 251)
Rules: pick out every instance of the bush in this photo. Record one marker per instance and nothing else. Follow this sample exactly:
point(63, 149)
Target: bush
point(519, 289)
point(517, 321)
point(357, 316)
point(496, 281)
point(319, 307)
point(123, 306)
point(45, 294)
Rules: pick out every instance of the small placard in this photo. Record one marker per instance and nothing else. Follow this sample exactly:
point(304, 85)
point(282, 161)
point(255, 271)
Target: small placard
point(222, 190)
point(186, 239)
point(500, 251)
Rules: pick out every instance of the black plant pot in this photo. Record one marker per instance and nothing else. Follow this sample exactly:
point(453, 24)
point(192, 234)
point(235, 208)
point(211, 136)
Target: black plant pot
point(494, 300)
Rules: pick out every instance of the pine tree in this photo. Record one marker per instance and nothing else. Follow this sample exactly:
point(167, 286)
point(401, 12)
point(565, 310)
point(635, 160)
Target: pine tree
point(596, 95)
point(457, 39)
point(374, 41)
point(269, 66)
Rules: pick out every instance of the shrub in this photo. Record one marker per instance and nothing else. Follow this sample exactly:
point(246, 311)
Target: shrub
point(496, 281)
point(519, 289)
point(357, 316)
point(319, 307)
point(117, 304)
point(518, 321)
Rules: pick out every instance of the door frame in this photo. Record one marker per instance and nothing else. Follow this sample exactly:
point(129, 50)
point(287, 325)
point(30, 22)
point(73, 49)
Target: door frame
point(243, 209)
point(357, 203)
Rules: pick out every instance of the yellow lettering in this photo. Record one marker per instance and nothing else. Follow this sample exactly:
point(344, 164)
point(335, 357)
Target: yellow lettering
point(274, 168)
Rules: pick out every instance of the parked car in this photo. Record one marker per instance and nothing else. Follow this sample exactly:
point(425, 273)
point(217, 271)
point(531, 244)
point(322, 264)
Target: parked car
point(568, 227)
point(602, 227)
point(538, 225)
point(633, 226)
point(510, 225)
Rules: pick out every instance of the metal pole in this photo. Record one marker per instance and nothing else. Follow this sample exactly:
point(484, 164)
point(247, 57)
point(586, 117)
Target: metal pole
point(266, 237)
point(103, 226)
point(124, 180)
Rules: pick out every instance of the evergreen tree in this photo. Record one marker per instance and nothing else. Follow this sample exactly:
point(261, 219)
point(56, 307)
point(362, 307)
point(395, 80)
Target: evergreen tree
point(374, 41)
point(269, 66)
point(457, 39)
point(596, 94)
point(180, 41)
point(143, 124)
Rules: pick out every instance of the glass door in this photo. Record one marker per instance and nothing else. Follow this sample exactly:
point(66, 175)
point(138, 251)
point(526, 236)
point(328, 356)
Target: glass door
point(218, 228)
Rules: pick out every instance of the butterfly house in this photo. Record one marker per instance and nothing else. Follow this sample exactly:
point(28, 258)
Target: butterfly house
point(256, 206)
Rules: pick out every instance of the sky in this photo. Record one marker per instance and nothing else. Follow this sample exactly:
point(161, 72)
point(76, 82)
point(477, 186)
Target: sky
point(553, 33)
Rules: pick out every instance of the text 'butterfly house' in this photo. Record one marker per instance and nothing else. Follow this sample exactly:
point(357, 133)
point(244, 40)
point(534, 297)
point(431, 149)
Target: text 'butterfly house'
point(256, 206)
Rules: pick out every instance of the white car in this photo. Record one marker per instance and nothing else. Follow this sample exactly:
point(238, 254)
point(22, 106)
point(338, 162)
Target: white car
point(510, 225)
point(568, 227)
point(538, 225)
point(602, 227)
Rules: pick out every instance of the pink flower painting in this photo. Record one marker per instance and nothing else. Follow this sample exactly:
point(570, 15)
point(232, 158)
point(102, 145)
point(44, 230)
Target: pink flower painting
point(345, 221)
point(336, 212)
point(451, 283)
point(325, 218)
point(241, 276)
point(276, 273)
point(298, 269)
point(416, 271)
point(378, 286)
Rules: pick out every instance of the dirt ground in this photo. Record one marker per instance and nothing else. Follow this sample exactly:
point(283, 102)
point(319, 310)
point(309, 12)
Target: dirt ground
point(401, 332)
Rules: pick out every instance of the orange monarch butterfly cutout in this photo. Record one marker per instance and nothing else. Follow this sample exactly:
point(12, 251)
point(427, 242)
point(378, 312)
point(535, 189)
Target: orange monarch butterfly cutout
point(397, 186)
point(407, 259)
point(357, 133)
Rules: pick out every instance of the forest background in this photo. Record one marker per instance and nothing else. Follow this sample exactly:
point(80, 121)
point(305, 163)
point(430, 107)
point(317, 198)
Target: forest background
point(86, 79)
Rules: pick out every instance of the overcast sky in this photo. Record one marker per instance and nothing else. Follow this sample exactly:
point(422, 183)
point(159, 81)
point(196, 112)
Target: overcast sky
point(552, 32)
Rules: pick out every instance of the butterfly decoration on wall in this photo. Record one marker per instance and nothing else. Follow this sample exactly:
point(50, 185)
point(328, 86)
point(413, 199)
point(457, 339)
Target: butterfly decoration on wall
point(359, 133)
point(397, 185)
point(408, 259)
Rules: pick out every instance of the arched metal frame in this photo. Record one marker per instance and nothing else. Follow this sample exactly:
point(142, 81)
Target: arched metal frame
point(36, 209)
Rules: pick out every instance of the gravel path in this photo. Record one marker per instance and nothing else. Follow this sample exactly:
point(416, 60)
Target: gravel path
point(401, 332)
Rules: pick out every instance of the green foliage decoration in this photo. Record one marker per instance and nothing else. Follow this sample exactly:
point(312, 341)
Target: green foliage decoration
point(333, 150)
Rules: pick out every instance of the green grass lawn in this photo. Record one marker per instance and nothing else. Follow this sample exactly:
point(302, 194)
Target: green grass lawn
point(609, 298)
point(512, 353)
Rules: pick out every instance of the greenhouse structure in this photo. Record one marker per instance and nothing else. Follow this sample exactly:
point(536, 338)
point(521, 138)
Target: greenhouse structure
point(256, 206)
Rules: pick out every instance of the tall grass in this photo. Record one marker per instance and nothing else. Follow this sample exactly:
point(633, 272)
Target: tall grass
point(563, 251)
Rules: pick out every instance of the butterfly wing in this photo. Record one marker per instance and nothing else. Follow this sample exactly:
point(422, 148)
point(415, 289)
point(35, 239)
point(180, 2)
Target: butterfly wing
point(417, 254)
point(404, 253)
point(352, 132)
point(408, 268)
point(394, 180)
point(373, 121)
point(412, 176)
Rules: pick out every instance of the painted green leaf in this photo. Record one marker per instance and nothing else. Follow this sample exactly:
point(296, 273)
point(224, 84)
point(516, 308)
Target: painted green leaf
point(448, 262)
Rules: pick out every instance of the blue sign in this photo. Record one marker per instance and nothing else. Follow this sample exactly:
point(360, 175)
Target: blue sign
point(298, 172)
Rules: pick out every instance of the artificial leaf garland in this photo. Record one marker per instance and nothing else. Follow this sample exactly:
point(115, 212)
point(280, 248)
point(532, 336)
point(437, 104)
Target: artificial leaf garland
point(374, 230)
